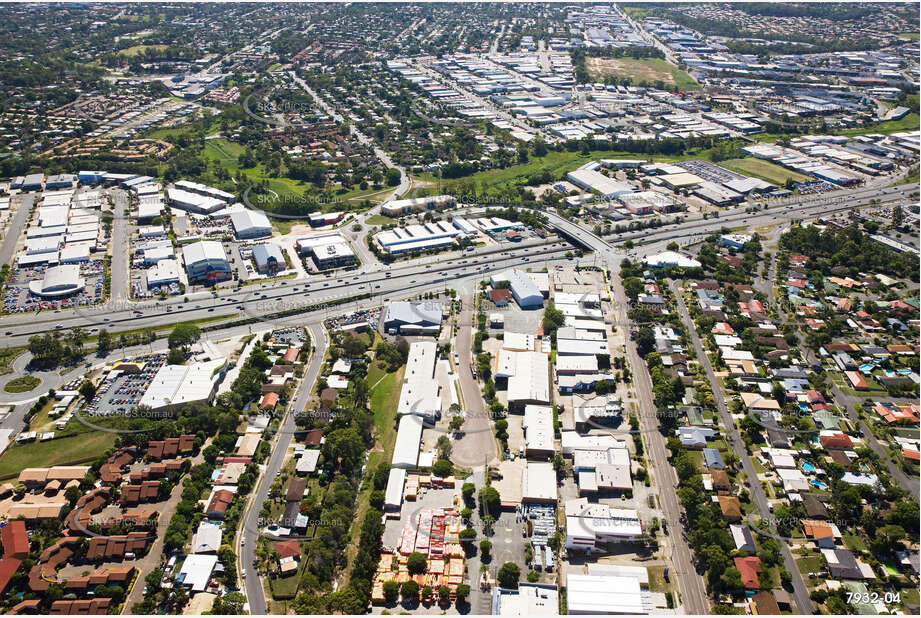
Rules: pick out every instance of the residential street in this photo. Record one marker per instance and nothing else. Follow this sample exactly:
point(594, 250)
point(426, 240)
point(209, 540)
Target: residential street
point(800, 592)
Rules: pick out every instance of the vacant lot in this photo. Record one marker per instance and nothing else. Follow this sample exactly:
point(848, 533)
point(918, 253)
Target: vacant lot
point(648, 70)
point(72, 450)
point(765, 170)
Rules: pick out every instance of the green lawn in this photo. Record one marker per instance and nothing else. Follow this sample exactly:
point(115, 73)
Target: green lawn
point(810, 564)
point(852, 541)
point(641, 70)
point(911, 122)
point(7, 356)
point(136, 50)
point(71, 450)
point(385, 396)
point(765, 170)
point(379, 220)
point(22, 384)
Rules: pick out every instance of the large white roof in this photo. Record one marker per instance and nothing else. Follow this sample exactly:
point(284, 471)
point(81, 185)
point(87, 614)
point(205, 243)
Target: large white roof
point(197, 570)
point(178, 384)
point(528, 375)
point(599, 594)
point(250, 220)
point(539, 482)
point(58, 280)
point(202, 251)
point(419, 394)
point(406, 449)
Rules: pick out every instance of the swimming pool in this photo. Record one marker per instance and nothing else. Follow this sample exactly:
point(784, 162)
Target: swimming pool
point(818, 484)
point(808, 467)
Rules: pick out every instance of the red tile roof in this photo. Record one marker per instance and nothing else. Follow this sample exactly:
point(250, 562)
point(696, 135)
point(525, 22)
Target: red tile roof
point(749, 567)
point(15, 539)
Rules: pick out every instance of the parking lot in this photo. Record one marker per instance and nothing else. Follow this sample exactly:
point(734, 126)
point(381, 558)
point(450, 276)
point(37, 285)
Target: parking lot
point(18, 299)
point(121, 391)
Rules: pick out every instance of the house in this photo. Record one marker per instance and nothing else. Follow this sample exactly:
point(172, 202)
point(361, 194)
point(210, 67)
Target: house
point(15, 540)
point(713, 458)
point(742, 537)
point(749, 568)
point(730, 507)
point(842, 564)
point(719, 478)
point(835, 440)
point(695, 437)
point(821, 533)
point(220, 502)
point(815, 509)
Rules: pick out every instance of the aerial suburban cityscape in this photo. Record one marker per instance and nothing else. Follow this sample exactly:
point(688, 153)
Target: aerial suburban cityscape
point(499, 309)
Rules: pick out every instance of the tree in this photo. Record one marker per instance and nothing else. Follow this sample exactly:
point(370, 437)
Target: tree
point(103, 342)
point(416, 563)
point(645, 341)
point(391, 591)
point(444, 594)
point(393, 177)
point(410, 591)
point(87, 390)
point(485, 547)
point(508, 575)
point(467, 490)
point(183, 335)
point(456, 423)
point(443, 446)
point(489, 499)
point(462, 592)
point(175, 356)
point(442, 467)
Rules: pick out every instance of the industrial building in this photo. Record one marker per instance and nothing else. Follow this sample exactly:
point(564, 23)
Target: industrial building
point(406, 448)
point(269, 258)
point(592, 180)
point(58, 281)
point(419, 393)
point(180, 384)
point(248, 224)
point(193, 202)
point(527, 375)
point(606, 594)
point(589, 525)
point(206, 262)
point(538, 483)
point(163, 272)
point(397, 208)
point(205, 190)
point(526, 600)
point(524, 290)
point(327, 250)
point(423, 237)
point(538, 431)
point(413, 318)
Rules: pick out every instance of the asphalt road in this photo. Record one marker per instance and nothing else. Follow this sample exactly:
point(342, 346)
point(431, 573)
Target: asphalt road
point(16, 226)
point(256, 301)
point(246, 551)
point(800, 592)
point(120, 269)
point(690, 584)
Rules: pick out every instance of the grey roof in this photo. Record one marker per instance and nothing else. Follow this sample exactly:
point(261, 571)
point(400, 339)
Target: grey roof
point(713, 459)
point(264, 252)
point(421, 313)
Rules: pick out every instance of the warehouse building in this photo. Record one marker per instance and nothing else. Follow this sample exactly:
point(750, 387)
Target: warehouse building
point(61, 181)
point(524, 290)
point(269, 258)
point(58, 281)
point(163, 272)
point(180, 384)
point(205, 190)
point(717, 194)
point(424, 237)
point(193, 202)
point(406, 448)
point(397, 208)
point(527, 377)
point(591, 526)
point(248, 224)
point(206, 262)
point(419, 393)
point(595, 181)
point(32, 182)
point(413, 318)
point(526, 600)
point(538, 483)
point(327, 251)
point(606, 594)
point(538, 431)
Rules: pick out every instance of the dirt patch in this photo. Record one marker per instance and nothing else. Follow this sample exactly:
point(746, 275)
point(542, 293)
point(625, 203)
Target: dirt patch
point(636, 70)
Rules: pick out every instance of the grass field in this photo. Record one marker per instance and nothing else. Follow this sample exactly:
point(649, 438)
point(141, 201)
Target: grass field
point(71, 450)
point(7, 356)
point(379, 220)
point(640, 70)
point(385, 395)
point(22, 384)
point(765, 170)
point(911, 122)
point(810, 564)
point(136, 50)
